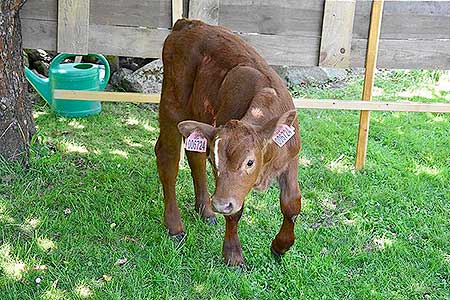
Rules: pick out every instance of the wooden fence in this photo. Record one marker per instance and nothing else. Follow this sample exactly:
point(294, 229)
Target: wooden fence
point(328, 33)
point(414, 35)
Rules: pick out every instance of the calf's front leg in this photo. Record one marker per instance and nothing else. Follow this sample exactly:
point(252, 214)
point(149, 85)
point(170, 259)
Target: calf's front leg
point(232, 250)
point(290, 201)
point(167, 157)
point(197, 163)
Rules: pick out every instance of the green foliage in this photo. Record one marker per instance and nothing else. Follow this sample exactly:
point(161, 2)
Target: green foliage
point(85, 221)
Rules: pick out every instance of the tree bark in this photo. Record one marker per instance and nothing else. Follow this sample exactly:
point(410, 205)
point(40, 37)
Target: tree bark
point(16, 121)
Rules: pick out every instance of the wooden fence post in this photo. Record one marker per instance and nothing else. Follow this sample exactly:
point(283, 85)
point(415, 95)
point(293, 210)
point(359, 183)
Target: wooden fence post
point(337, 30)
point(205, 10)
point(73, 26)
point(371, 62)
point(177, 10)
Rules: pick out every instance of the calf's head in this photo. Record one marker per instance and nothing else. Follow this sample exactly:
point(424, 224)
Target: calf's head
point(236, 153)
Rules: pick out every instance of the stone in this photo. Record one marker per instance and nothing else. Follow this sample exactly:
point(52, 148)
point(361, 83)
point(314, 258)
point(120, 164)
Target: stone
point(133, 63)
point(41, 67)
point(118, 79)
point(113, 62)
point(38, 55)
point(147, 79)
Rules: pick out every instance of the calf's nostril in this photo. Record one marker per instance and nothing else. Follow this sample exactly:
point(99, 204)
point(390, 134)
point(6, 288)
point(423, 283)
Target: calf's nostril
point(228, 208)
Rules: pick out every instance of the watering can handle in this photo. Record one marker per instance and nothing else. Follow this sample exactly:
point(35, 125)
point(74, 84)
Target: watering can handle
point(60, 57)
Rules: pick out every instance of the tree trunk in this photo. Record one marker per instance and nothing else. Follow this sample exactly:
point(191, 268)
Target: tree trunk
point(16, 122)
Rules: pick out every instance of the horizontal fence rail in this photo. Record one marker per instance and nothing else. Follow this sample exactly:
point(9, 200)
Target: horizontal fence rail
point(406, 106)
point(106, 96)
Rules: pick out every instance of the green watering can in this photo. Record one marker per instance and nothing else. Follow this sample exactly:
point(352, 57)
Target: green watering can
point(71, 76)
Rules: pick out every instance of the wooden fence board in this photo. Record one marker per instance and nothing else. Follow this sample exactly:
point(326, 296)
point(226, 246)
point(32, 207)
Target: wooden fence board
point(335, 45)
point(286, 50)
point(129, 13)
point(289, 46)
point(40, 10)
point(205, 10)
point(284, 17)
point(73, 26)
point(126, 41)
point(405, 54)
point(401, 19)
point(39, 34)
point(165, 14)
point(406, 20)
point(278, 50)
point(177, 10)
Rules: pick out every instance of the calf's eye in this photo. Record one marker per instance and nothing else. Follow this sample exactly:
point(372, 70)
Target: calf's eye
point(250, 163)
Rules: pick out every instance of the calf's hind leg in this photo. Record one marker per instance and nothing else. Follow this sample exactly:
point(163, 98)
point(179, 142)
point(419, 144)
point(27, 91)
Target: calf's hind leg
point(197, 163)
point(290, 201)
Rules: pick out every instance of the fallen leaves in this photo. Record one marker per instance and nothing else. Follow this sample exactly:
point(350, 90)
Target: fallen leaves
point(121, 261)
point(107, 278)
point(130, 239)
point(40, 267)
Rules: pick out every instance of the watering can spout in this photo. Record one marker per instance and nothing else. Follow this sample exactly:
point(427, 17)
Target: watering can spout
point(42, 85)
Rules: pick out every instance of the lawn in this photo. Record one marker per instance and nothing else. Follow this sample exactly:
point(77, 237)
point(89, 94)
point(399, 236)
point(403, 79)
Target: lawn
point(85, 221)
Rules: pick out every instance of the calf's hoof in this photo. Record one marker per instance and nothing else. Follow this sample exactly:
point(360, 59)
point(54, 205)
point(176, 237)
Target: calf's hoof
point(278, 250)
point(179, 237)
point(210, 220)
point(236, 261)
point(275, 254)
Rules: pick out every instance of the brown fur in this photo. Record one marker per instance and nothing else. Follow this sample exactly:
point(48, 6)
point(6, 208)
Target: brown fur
point(218, 85)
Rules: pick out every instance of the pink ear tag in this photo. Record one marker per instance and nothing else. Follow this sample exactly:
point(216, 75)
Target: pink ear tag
point(195, 142)
point(283, 134)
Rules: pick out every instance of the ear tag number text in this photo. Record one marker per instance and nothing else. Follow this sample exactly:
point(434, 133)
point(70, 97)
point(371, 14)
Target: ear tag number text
point(195, 142)
point(283, 134)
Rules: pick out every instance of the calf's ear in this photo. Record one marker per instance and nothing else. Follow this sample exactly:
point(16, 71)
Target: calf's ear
point(267, 131)
point(188, 127)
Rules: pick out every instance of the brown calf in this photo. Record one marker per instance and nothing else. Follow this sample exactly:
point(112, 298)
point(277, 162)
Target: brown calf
point(238, 103)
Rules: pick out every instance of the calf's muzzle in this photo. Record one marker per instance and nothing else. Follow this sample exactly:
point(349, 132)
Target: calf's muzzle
point(225, 206)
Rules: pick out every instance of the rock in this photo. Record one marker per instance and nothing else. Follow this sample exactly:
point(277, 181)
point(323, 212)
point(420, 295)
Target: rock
point(38, 55)
point(133, 63)
point(41, 67)
point(147, 79)
point(119, 79)
point(113, 63)
point(357, 71)
point(310, 75)
point(336, 74)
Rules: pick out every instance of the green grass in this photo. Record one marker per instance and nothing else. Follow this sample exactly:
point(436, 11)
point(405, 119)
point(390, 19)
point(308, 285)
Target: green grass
point(383, 233)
